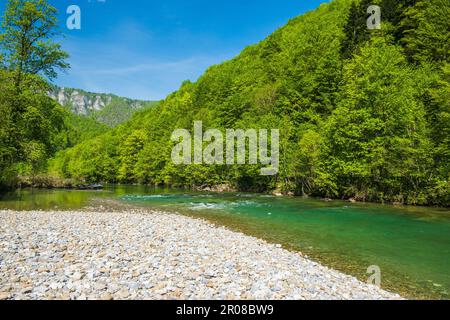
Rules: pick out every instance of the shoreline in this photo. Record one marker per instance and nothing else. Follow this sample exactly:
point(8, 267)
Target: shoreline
point(218, 189)
point(130, 253)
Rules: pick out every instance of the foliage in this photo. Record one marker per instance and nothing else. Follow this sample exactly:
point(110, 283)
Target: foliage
point(30, 123)
point(427, 38)
point(30, 126)
point(27, 45)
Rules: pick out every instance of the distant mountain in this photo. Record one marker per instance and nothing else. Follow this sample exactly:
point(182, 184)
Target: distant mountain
point(108, 109)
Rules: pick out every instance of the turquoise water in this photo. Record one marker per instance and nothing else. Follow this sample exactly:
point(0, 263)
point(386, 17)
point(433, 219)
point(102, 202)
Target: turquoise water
point(411, 245)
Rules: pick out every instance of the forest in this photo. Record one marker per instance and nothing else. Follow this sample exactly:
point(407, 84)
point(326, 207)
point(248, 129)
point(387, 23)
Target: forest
point(363, 114)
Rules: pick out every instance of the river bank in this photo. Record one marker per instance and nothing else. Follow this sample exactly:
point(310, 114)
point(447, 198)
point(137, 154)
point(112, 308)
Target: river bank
point(101, 253)
point(49, 182)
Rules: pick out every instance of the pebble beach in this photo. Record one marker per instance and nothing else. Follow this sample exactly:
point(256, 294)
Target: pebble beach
point(142, 254)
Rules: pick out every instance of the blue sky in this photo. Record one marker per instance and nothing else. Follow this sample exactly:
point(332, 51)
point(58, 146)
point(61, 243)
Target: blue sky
point(145, 48)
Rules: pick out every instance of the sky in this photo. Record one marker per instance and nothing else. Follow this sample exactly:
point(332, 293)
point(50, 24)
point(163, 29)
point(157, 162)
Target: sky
point(145, 49)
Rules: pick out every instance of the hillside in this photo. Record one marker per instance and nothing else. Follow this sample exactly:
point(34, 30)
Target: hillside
point(80, 128)
point(363, 114)
point(107, 109)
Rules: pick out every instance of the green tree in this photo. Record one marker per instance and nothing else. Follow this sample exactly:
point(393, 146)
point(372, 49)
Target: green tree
point(378, 140)
point(427, 34)
point(438, 116)
point(129, 155)
point(355, 29)
point(394, 12)
point(31, 121)
point(28, 30)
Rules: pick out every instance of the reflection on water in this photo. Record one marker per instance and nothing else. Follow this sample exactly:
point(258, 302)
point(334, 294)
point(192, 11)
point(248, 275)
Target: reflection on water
point(410, 244)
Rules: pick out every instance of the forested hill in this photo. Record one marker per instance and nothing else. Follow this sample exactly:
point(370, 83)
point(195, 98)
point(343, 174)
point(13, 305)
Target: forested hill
point(363, 113)
point(107, 109)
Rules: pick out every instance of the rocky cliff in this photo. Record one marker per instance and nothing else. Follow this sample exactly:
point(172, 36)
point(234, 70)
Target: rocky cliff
point(105, 108)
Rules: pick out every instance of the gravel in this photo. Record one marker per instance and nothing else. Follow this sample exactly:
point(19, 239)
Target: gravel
point(141, 254)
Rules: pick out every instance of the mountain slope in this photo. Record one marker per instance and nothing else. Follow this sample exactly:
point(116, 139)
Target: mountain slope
point(80, 128)
point(108, 109)
point(363, 122)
